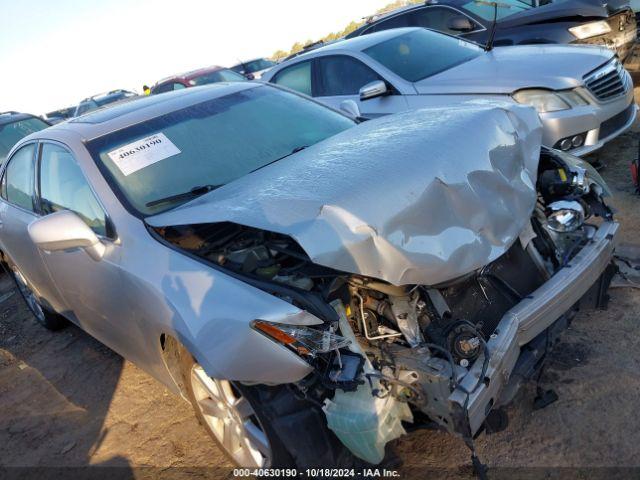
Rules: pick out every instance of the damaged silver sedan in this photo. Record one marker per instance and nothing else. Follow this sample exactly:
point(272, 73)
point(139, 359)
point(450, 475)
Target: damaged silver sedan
point(311, 284)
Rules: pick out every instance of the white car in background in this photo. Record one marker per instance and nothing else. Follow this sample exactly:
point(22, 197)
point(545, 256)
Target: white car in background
point(583, 94)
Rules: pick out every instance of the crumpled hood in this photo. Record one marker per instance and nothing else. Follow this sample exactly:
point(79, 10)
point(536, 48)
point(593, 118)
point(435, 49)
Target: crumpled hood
point(419, 197)
point(507, 69)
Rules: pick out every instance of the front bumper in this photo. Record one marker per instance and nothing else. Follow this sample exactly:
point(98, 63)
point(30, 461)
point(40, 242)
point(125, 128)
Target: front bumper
point(523, 323)
point(601, 121)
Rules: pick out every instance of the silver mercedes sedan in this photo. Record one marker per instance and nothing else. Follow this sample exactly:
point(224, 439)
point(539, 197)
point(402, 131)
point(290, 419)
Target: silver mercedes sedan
point(312, 284)
point(583, 94)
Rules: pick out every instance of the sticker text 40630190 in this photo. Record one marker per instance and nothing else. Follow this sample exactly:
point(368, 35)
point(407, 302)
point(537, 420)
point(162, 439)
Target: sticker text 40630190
point(144, 152)
point(139, 148)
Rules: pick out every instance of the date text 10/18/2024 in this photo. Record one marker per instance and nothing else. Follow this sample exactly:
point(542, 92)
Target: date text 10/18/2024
point(316, 472)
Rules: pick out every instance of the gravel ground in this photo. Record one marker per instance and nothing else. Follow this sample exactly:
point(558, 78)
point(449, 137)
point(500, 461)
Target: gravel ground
point(68, 401)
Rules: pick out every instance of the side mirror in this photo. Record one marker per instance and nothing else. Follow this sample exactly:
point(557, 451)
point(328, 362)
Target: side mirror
point(373, 89)
point(460, 24)
point(350, 107)
point(64, 230)
point(250, 76)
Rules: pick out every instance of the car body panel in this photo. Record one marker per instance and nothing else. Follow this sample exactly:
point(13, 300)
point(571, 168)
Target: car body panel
point(505, 70)
point(342, 221)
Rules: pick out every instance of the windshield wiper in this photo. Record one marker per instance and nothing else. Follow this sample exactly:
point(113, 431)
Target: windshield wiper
point(194, 192)
point(295, 150)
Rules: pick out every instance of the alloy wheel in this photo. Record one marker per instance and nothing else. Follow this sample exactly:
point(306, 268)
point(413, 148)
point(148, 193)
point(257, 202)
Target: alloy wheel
point(231, 419)
point(29, 296)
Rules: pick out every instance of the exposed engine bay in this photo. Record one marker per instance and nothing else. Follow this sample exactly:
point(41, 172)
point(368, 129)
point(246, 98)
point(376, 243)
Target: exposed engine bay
point(411, 345)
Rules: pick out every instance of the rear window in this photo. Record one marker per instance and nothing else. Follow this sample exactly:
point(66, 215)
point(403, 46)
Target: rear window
point(422, 53)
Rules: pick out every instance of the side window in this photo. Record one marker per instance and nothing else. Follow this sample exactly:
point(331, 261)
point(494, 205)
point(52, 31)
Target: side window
point(435, 18)
point(297, 77)
point(178, 86)
point(343, 75)
point(19, 182)
point(63, 186)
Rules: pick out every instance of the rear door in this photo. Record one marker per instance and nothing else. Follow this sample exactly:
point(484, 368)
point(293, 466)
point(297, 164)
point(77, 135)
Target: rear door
point(18, 208)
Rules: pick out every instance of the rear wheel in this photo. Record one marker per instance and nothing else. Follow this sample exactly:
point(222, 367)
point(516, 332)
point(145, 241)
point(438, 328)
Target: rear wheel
point(49, 320)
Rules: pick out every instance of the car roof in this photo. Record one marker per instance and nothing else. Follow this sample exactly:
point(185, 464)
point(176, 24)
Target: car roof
point(112, 118)
point(190, 74)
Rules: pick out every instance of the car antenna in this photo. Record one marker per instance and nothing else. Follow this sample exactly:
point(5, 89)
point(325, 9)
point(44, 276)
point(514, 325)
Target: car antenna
point(492, 33)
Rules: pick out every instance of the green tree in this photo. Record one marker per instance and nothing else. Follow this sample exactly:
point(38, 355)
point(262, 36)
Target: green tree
point(297, 47)
point(278, 54)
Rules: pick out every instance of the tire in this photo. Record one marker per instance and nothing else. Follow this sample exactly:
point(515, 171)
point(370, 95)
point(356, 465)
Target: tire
point(293, 430)
point(49, 320)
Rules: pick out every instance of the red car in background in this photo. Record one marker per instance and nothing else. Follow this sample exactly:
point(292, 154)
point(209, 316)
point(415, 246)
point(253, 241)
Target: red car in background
point(202, 76)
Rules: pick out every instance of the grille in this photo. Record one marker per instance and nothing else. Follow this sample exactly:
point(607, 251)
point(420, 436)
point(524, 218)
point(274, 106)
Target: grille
point(616, 122)
point(608, 82)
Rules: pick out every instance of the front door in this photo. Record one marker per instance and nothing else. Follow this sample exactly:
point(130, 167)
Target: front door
point(17, 211)
point(340, 78)
point(92, 290)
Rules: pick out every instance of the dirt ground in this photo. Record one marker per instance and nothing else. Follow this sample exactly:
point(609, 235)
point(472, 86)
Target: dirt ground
point(68, 401)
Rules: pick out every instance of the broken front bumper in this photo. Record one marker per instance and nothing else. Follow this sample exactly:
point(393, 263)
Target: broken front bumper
point(522, 324)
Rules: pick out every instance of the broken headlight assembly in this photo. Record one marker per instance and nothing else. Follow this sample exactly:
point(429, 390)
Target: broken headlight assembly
point(549, 101)
point(304, 340)
point(565, 216)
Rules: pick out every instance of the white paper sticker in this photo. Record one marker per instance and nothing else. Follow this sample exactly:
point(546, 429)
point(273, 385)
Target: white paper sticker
point(138, 155)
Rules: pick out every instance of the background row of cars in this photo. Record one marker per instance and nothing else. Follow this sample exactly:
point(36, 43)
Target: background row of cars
point(582, 108)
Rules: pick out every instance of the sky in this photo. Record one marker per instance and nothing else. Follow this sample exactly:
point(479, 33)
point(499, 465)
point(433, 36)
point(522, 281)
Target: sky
point(54, 53)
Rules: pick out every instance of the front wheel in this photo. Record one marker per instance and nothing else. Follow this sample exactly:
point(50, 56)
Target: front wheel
point(49, 320)
point(230, 419)
point(263, 426)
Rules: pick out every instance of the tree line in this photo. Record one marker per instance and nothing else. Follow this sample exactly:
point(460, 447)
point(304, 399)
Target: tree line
point(298, 46)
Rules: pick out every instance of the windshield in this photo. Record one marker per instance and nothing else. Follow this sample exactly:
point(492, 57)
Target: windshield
point(422, 53)
point(218, 76)
point(210, 144)
point(11, 133)
point(506, 8)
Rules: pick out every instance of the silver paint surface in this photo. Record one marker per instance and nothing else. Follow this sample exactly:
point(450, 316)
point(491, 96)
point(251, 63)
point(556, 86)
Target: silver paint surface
point(420, 197)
